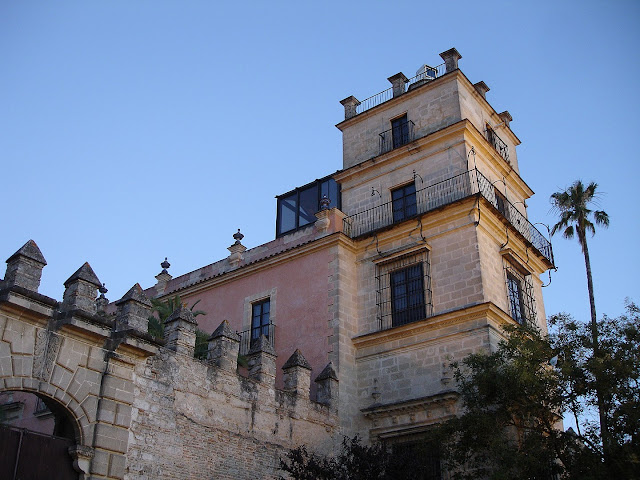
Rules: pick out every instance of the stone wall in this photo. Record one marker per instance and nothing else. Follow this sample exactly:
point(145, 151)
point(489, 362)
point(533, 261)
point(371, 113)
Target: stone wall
point(144, 408)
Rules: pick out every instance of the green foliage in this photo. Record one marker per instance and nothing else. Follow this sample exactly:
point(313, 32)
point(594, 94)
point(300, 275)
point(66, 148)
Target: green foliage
point(572, 206)
point(616, 372)
point(512, 399)
point(163, 310)
point(354, 462)
point(202, 344)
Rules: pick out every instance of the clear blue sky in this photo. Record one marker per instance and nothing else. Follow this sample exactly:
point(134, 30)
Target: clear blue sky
point(135, 130)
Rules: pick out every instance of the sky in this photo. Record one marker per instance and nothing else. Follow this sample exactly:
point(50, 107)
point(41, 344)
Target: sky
point(131, 131)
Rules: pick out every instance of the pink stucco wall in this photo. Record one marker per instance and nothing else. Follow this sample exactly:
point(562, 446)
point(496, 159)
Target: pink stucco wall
point(43, 423)
point(301, 301)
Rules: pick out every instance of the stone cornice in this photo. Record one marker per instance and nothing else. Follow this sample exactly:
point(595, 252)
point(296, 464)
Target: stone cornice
point(448, 397)
point(390, 157)
point(488, 310)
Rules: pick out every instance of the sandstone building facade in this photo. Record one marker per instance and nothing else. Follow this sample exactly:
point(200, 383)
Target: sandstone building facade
point(381, 274)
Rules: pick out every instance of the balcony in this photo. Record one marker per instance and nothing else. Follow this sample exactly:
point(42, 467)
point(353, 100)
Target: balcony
point(444, 193)
point(247, 337)
point(424, 77)
point(396, 136)
point(498, 144)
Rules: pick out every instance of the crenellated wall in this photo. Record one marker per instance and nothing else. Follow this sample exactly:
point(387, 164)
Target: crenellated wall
point(141, 408)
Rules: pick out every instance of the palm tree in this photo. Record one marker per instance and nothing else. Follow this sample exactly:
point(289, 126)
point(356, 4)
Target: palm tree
point(572, 205)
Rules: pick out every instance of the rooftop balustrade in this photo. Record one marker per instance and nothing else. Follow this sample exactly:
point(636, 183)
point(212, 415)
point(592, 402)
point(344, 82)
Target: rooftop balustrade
point(444, 193)
point(426, 76)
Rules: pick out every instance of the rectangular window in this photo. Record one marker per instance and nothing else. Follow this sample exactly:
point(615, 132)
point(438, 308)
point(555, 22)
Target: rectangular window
point(520, 295)
point(298, 208)
point(260, 319)
point(407, 295)
point(404, 202)
point(404, 290)
point(400, 131)
point(501, 203)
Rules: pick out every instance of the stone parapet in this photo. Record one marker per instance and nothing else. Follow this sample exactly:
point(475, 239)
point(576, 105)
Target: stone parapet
point(262, 361)
point(81, 291)
point(224, 345)
point(180, 331)
point(297, 374)
point(133, 310)
point(24, 268)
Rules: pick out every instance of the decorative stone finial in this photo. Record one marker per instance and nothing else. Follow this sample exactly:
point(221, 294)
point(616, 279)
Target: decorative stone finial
point(102, 301)
point(236, 249)
point(165, 265)
point(325, 202)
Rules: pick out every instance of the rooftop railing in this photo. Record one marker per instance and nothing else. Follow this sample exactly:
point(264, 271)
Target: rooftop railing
point(429, 74)
point(444, 193)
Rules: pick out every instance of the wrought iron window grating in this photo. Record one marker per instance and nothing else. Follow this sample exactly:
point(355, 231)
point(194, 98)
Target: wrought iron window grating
point(497, 143)
point(396, 136)
point(520, 294)
point(247, 337)
point(403, 292)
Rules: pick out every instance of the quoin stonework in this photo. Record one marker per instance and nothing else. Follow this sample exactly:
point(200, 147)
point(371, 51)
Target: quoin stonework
point(410, 257)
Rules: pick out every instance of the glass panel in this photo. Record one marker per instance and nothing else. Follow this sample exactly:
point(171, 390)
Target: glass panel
point(308, 205)
point(287, 208)
point(330, 189)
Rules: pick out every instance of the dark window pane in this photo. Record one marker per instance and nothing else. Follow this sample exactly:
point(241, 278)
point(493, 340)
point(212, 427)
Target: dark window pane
point(288, 208)
point(330, 189)
point(404, 202)
point(407, 295)
point(308, 205)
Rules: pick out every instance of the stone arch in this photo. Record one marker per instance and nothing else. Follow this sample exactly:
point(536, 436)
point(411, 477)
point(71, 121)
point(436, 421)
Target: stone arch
point(45, 448)
point(66, 424)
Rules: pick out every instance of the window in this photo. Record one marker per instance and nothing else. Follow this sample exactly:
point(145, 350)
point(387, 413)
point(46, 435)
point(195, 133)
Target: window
point(404, 202)
point(400, 131)
point(407, 295)
point(298, 208)
point(501, 203)
point(260, 319)
point(520, 295)
point(404, 290)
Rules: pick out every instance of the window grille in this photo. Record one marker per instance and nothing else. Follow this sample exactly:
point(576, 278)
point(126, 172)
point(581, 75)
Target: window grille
point(522, 305)
point(404, 290)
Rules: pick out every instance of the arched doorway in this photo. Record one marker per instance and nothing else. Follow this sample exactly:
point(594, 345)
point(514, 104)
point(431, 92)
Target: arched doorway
point(36, 436)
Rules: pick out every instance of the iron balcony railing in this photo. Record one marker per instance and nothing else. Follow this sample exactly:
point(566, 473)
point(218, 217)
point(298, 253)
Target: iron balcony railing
point(498, 144)
point(396, 137)
point(424, 77)
point(247, 337)
point(444, 193)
